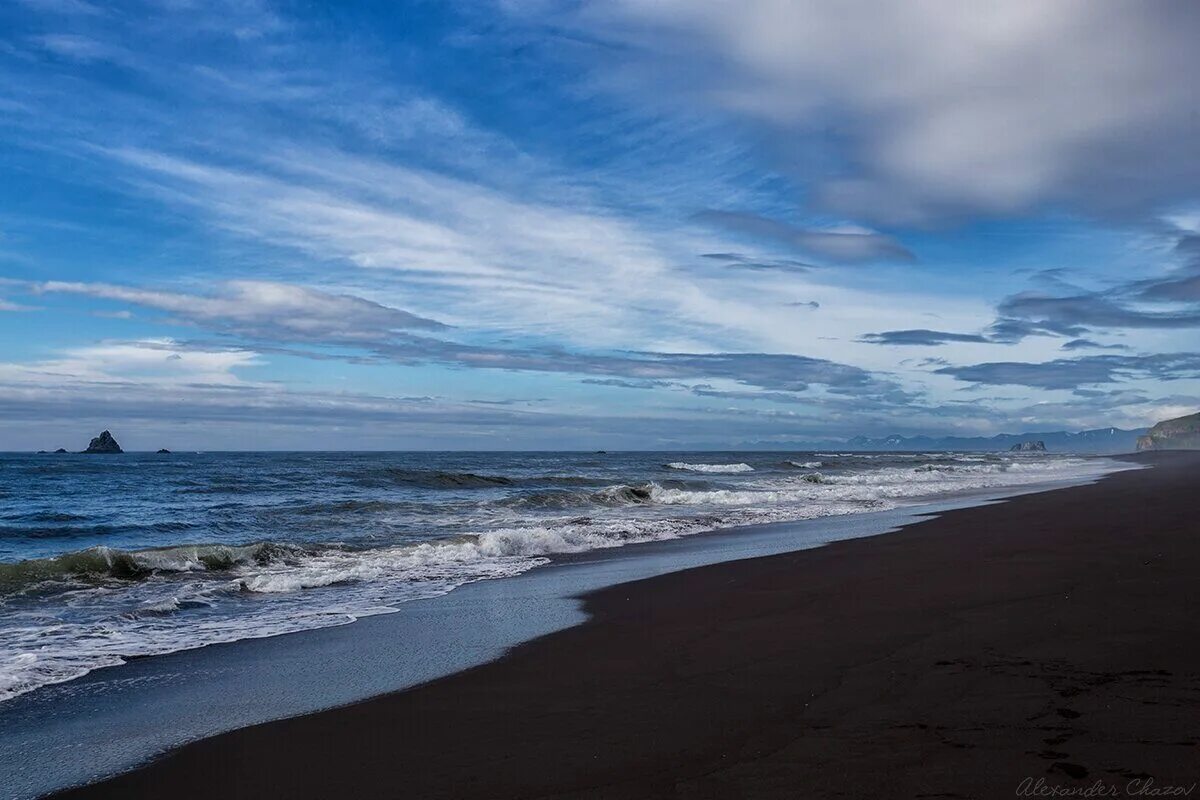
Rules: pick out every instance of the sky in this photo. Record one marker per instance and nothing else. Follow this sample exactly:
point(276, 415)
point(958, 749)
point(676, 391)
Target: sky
point(628, 224)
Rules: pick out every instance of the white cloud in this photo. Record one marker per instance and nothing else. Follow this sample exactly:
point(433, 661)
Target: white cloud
point(547, 264)
point(83, 49)
point(151, 363)
point(264, 308)
point(947, 108)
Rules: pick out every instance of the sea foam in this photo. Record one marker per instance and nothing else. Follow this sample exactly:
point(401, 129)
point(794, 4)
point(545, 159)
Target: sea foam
point(727, 469)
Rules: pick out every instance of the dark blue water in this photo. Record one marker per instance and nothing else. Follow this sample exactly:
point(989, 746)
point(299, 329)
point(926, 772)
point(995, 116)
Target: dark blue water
point(107, 557)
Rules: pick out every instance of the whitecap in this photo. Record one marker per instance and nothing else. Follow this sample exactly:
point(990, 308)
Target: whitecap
point(714, 468)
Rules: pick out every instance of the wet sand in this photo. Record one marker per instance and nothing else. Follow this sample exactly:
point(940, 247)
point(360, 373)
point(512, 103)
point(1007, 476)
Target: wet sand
point(1052, 637)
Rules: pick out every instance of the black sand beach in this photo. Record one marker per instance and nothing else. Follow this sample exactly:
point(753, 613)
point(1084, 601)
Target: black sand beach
point(1052, 638)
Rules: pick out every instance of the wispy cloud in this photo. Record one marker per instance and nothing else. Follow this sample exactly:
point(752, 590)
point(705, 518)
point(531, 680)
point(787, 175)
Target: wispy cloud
point(83, 49)
point(280, 313)
point(842, 244)
point(149, 363)
point(1088, 344)
point(264, 309)
point(922, 337)
point(1086, 371)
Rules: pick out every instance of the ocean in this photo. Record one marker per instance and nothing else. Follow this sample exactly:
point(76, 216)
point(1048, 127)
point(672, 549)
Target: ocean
point(105, 558)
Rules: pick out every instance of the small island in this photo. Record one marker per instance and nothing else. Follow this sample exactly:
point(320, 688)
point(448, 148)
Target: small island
point(163, 451)
point(104, 444)
point(1029, 447)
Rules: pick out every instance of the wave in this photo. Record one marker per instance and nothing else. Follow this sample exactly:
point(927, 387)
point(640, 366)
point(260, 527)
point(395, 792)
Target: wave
point(803, 464)
point(441, 479)
point(193, 487)
point(717, 468)
point(73, 530)
point(434, 479)
point(610, 496)
point(103, 563)
point(44, 516)
point(354, 507)
point(375, 581)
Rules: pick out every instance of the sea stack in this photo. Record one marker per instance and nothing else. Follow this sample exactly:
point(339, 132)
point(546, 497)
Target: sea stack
point(163, 451)
point(104, 443)
point(1029, 447)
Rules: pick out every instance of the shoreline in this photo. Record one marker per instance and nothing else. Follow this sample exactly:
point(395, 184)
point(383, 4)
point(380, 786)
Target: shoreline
point(682, 679)
point(210, 690)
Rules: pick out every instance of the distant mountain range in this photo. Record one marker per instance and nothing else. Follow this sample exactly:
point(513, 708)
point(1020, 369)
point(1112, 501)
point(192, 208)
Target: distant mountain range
point(1101, 440)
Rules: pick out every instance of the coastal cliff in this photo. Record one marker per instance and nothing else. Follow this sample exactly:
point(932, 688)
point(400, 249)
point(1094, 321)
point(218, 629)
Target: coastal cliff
point(1181, 433)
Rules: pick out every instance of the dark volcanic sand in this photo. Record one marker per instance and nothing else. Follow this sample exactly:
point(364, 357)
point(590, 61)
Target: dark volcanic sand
point(1052, 636)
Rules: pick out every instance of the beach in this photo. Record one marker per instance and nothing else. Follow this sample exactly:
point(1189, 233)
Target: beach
point(1046, 641)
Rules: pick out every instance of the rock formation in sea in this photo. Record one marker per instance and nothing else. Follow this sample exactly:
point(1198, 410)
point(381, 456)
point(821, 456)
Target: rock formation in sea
point(104, 443)
point(164, 450)
point(61, 450)
point(1029, 447)
point(1181, 433)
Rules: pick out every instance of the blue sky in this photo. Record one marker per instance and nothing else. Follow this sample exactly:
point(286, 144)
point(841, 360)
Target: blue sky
point(627, 224)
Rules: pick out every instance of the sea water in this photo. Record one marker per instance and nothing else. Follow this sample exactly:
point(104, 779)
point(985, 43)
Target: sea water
point(103, 558)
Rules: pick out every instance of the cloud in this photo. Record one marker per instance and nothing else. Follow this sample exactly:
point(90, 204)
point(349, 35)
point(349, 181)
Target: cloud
point(921, 337)
point(560, 244)
point(1073, 373)
point(1088, 344)
point(624, 384)
point(1012, 330)
point(494, 258)
point(845, 245)
point(194, 392)
point(1168, 302)
point(782, 372)
point(152, 364)
point(937, 110)
point(771, 397)
point(1071, 313)
point(1175, 290)
point(84, 49)
point(275, 312)
point(740, 261)
point(68, 7)
point(265, 309)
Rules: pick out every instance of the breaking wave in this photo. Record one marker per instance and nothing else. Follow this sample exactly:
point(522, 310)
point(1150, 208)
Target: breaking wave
point(715, 468)
point(103, 563)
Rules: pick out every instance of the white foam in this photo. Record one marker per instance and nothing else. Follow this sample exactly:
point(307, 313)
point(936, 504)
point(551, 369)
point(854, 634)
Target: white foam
point(714, 468)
